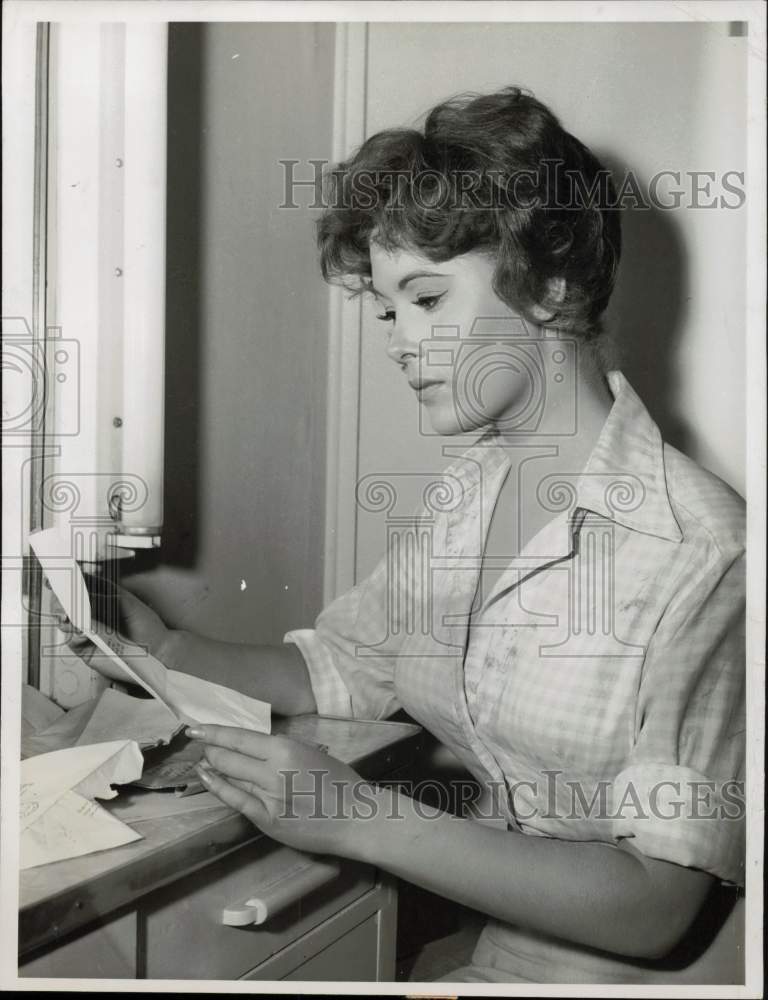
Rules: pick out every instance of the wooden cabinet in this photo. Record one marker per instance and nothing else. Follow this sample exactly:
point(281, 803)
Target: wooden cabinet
point(159, 908)
point(356, 944)
point(342, 931)
point(181, 927)
point(105, 951)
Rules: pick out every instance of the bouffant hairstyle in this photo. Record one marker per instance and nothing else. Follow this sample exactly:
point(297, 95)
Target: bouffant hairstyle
point(493, 173)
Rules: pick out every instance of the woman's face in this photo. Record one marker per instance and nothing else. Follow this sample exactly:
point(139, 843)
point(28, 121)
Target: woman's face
point(458, 344)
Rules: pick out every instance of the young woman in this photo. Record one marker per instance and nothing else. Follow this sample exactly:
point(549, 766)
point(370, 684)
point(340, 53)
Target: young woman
point(584, 651)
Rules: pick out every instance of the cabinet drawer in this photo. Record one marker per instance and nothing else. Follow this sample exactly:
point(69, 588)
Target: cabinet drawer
point(107, 951)
point(181, 934)
point(351, 958)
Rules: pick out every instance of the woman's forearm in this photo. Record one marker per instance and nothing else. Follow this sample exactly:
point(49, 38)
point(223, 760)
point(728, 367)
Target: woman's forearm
point(276, 674)
point(587, 893)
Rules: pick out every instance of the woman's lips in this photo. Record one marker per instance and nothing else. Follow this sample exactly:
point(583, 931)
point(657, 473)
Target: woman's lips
point(427, 388)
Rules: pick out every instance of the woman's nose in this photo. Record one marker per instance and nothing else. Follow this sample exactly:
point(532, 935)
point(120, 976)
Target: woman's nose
point(402, 344)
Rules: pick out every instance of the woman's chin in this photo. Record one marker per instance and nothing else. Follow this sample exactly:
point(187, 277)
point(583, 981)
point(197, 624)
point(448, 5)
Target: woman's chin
point(446, 422)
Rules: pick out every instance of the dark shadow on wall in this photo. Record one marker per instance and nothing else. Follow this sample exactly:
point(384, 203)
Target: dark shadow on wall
point(648, 310)
point(182, 344)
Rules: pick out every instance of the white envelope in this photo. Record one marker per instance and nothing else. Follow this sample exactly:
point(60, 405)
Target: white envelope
point(58, 818)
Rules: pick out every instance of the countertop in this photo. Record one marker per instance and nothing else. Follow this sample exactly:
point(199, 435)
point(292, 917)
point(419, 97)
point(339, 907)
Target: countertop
point(59, 898)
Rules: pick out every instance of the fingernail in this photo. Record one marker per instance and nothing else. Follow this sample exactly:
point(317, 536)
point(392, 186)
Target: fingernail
point(193, 734)
point(204, 773)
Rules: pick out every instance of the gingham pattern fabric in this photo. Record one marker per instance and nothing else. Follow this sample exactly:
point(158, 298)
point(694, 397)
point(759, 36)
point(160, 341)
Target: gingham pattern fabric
point(597, 689)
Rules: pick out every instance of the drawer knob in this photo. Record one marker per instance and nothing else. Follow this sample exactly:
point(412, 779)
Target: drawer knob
point(286, 888)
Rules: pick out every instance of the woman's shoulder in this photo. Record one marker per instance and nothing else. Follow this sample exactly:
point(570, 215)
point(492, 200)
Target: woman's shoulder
point(703, 503)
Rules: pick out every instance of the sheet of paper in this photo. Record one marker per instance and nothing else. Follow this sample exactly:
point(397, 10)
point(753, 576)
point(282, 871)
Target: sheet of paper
point(137, 806)
point(146, 671)
point(348, 740)
point(118, 716)
point(188, 698)
point(89, 770)
point(62, 733)
point(111, 716)
point(173, 768)
point(37, 711)
point(203, 701)
point(57, 820)
point(72, 827)
point(53, 548)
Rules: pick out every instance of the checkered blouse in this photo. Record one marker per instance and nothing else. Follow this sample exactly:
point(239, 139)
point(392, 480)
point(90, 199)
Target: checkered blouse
point(597, 691)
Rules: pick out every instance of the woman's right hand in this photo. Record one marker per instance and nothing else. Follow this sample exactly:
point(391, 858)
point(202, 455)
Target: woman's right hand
point(120, 611)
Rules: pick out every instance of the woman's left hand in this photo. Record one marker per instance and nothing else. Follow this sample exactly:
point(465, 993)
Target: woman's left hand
point(290, 790)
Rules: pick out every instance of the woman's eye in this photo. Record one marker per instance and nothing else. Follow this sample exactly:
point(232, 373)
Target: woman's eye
point(425, 302)
point(429, 302)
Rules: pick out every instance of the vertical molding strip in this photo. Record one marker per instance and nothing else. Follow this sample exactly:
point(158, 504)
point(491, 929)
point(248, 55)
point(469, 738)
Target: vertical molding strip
point(344, 326)
point(37, 465)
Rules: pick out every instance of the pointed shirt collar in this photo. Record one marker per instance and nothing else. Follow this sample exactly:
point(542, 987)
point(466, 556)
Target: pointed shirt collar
point(624, 478)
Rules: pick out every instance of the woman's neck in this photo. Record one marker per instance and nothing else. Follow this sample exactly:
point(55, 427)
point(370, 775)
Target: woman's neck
point(577, 417)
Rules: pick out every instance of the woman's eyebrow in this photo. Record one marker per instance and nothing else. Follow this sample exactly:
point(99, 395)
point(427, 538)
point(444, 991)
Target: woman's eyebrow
point(411, 276)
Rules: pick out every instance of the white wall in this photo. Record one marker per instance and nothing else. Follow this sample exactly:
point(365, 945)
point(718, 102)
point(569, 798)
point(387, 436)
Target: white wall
point(247, 335)
point(644, 96)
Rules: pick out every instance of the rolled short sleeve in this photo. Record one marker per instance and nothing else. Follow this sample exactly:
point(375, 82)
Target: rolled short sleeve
point(680, 796)
point(352, 649)
point(332, 696)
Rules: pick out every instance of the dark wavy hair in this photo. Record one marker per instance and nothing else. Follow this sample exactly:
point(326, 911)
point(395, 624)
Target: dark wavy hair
point(493, 173)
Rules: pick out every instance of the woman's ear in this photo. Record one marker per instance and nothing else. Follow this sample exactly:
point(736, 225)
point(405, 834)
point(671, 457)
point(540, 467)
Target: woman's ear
point(556, 294)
